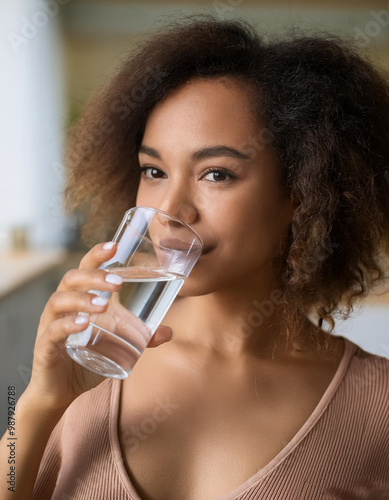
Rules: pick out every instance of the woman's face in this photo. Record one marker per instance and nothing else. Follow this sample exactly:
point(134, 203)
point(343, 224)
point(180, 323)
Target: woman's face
point(198, 167)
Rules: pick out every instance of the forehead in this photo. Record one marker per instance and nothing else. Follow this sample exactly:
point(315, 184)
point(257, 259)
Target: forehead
point(207, 109)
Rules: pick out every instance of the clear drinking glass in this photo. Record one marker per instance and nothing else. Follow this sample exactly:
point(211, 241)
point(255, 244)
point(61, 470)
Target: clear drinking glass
point(155, 254)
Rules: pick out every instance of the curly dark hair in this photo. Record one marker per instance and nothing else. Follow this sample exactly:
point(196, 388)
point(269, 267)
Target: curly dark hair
point(326, 114)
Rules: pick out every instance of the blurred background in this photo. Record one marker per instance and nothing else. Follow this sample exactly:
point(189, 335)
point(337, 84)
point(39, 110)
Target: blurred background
point(54, 55)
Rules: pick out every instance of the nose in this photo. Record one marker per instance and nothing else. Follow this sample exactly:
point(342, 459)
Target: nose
point(177, 198)
point(177, 202)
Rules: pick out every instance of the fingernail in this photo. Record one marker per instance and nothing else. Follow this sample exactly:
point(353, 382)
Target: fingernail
point(99, 301)
point(114, 279)
point(109, 245)
point(81, 320)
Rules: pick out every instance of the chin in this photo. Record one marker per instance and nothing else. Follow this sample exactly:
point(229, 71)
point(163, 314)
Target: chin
point(201, 284)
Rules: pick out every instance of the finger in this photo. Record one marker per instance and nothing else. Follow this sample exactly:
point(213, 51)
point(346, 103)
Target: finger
point(87, 279)
point(98, 255)
point(63, 303)
point(51, 344)
point(162, 334)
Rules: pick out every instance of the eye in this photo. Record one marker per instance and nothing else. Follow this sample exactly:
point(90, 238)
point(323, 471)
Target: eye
point(150, 172)
point(219, 175)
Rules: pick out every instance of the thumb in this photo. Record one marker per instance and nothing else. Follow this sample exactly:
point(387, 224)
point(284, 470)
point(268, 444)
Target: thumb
point(162, 334)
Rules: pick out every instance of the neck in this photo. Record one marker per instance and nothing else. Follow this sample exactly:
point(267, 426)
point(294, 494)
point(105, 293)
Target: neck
point(230, 323)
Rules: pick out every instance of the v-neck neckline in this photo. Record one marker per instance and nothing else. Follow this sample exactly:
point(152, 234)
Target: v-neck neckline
point(349, 350)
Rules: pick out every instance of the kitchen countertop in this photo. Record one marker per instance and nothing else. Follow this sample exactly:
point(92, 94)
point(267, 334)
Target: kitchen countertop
point(19, 267)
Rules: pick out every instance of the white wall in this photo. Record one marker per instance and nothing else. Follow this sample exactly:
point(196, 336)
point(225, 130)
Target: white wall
point(31, 122)
point(369, 328)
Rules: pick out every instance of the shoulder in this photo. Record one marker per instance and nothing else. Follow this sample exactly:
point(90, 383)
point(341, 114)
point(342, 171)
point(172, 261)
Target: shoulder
point(90, 406)
point(64, 442)
point(366, 382)
point(90, 411)
point(369, 369)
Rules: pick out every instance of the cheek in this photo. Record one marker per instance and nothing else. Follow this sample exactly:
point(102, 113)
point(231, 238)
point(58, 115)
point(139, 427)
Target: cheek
point(141, 198)
point(246, 246)
point(253, 230)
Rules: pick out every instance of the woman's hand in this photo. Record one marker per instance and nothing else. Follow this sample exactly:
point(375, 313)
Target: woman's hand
point(56, 379)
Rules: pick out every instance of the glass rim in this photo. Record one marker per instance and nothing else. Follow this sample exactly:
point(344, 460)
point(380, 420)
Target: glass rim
point(171, 217)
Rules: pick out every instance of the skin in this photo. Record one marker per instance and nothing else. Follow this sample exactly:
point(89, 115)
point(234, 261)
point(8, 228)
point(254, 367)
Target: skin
point(233, 394)
point(238, 397)
point(242, 220)
point(56, 380)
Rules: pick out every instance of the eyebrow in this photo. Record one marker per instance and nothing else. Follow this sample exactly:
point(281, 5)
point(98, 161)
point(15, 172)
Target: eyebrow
point(201, 154)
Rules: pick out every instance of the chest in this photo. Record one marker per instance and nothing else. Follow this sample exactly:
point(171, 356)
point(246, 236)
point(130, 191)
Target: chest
point(189, 438)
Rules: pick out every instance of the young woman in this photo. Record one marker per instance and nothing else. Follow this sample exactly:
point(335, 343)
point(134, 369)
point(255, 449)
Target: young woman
point(276, 155)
